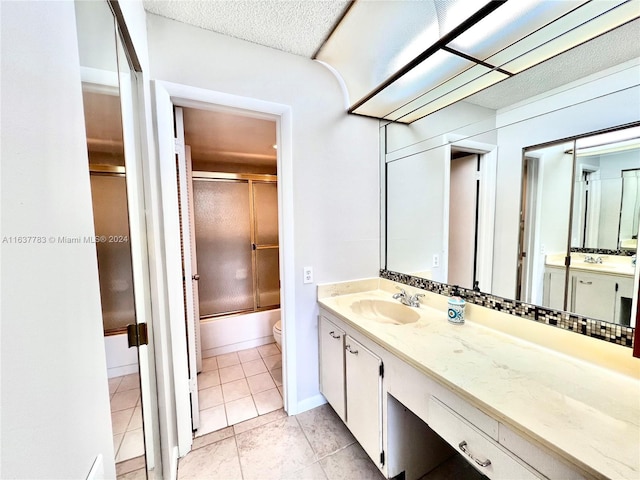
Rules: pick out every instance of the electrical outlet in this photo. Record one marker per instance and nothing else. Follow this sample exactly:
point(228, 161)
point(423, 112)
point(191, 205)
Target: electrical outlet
point(307, 275)
point(436, 260)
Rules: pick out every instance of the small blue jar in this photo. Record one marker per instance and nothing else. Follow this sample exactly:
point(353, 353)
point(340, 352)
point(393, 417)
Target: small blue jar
point(455, 312)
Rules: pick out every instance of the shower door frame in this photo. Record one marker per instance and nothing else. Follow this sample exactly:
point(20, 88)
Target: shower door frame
point(250, 178)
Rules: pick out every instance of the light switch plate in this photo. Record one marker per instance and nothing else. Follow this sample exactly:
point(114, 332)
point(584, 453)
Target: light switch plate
point(308, 275)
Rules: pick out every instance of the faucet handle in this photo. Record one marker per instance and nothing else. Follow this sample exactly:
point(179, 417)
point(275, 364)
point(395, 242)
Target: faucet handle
point(416, 297)
point(401, 294)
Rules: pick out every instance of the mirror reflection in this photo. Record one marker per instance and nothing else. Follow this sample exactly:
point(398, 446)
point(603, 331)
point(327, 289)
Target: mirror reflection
point(592, 275)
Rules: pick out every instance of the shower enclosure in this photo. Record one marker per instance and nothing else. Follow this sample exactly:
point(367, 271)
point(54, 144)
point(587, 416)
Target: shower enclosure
point(236, 236)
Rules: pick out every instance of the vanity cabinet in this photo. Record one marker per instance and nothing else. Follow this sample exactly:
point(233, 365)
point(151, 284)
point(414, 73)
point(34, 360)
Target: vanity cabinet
point(351, 381)
point(364, 397)
point(332, 381)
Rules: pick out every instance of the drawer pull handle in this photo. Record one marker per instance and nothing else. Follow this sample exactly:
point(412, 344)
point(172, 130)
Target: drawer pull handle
point(585, 283)
point(333, 335)
point(348, 349)
point(482, 463)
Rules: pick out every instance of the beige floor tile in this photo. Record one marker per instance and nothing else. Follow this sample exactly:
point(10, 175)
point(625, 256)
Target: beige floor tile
point(249, 355)
point(140, 474)
point(240, 410)
point(117, 440)
point(276, 373)
point(210, 397)
point(212, 419)
point(132, 445)
point(350, 462)
point(273, 361)
point(136, 419)
point(208, 379)
point(120, 420)
point(267, 401)
point(124, 400)
point(324, 430)
point(218, 460)
point(260, 383)
point(259, 421)
point(229, 374)
point(274, 450)
point(281, 390)
point(234, 390)
point(312, 472)
point(209, 363)
point(212, 437)
point(131, 465)
point(228, 359)
point(254, 367)
point(114, 382)
point(129, 382)
point(268, 350)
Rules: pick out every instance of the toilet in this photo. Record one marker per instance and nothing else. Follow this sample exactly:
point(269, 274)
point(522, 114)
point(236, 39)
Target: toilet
point(277, 332)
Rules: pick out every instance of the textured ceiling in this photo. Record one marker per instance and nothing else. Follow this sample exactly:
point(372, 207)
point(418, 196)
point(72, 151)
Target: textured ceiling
point(301, 26)
point(295, 26)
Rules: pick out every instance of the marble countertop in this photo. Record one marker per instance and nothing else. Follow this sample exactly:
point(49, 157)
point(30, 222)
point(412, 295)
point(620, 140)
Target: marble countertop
point(587, 414)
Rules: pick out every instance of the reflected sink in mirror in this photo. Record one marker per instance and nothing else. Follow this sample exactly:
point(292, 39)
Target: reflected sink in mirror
point(384, 311)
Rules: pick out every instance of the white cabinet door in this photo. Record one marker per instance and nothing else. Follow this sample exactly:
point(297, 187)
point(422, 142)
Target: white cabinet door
point(553, 289)
point(332, 365)
point(594, 296)
point(364, 397)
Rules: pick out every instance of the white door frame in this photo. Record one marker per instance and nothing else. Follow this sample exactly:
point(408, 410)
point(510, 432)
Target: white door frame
point(486, 205)
point(168, 95)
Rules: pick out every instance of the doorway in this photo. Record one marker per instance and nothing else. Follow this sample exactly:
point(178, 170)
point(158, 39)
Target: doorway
point(167, 96)
point(229, 225)
point(464, 193)
point(469, 213)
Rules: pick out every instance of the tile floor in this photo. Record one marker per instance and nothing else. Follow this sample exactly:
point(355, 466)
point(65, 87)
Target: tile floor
point(126, 417)
point(239, 386)
point(313, 445)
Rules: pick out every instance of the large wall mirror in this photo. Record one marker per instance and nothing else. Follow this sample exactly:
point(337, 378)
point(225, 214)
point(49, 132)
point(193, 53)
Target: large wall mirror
point(580, 214)
point(457, 185)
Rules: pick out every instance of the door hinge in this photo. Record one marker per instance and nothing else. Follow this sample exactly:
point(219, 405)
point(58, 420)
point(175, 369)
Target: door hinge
point(616, 286)
point(382, 457)
point(381, 370)
point(137, 334)
point(193, 386)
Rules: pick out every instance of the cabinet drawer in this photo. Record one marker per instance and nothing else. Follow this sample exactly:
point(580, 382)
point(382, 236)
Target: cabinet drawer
point(484, 454)
point(544, 462)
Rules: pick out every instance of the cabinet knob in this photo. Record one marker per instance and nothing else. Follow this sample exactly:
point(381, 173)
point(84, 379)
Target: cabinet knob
point(333, 335)
point(585, 283)
point(348, 349)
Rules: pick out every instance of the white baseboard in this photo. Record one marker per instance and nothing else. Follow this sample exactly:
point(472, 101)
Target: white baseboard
point(122, 370)
point(309, 403)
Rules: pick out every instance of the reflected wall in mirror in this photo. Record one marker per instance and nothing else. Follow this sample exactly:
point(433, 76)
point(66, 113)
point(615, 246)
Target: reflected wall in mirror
point(591, 274)
point(564, 98)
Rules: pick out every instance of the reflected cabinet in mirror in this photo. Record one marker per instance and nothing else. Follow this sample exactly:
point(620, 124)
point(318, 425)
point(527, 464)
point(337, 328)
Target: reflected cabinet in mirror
point(579, 227)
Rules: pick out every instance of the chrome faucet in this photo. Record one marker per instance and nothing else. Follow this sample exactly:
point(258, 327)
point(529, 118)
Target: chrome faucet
point(405, 299)
point(590, 259)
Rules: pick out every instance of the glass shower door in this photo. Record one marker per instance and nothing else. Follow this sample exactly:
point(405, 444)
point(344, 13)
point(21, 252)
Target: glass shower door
point(223, 243)
point(265, 217)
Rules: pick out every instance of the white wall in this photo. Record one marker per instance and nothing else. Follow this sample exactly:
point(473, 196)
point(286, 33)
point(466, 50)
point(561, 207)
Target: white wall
point(55, 399)
point(335, 171)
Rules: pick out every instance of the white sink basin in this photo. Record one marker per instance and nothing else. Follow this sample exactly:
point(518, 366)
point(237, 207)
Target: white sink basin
point(384, 311)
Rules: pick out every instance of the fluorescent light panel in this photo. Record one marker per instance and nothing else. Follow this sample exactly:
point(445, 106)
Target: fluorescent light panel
point(513, 38)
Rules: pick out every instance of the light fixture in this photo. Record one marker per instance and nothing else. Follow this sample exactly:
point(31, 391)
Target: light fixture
point(404, 60)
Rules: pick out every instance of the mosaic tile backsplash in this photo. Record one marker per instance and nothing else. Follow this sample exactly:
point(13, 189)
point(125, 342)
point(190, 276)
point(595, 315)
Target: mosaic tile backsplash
point(604, 251)
point(609, 332)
